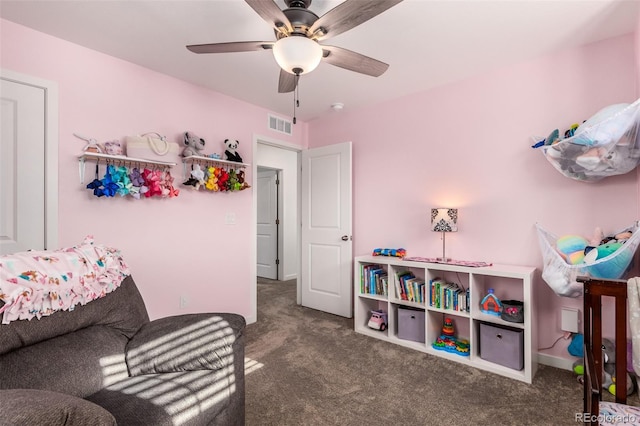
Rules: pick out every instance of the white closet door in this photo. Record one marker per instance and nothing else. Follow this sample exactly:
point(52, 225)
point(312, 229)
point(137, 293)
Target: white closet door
point(22, 167)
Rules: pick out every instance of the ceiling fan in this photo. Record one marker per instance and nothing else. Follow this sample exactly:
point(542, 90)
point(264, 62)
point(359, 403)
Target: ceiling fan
point(298, 31)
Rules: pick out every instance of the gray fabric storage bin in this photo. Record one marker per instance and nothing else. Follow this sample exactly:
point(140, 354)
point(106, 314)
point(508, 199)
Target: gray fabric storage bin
point(411, 324)
point(502, 345)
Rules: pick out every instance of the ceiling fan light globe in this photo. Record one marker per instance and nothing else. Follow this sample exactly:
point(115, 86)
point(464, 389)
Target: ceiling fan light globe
point(297, 52)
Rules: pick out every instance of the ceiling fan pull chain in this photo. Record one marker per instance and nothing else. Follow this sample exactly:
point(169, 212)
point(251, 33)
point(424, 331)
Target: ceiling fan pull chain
point(296, 97)
point(294, 107)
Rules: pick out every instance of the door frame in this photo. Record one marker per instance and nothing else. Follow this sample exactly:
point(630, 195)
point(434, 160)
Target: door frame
point(279, 228)
point(50, 89)
point(253, 289)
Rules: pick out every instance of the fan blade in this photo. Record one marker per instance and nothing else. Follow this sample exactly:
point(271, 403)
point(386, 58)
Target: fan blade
point(270, 12)
point(239, 46)
point(287, 82)
point(353, 61)
point(349, 14)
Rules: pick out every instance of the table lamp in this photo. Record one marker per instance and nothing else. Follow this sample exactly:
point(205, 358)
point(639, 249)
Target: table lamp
point(444, 220)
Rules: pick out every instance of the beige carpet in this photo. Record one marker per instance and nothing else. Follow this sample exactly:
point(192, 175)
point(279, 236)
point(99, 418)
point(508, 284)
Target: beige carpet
point(311, 368)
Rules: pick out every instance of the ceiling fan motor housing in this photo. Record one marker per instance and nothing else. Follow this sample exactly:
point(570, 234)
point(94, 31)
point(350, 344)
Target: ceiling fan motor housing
point(301, 20)
point(298, 3)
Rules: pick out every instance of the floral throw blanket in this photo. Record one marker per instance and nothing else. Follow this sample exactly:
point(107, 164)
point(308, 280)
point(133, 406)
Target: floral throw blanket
point(39, 283)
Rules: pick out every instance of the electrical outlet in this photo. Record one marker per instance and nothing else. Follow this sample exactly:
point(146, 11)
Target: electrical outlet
point(230, 218)
point(569, 320)
point(183, 302)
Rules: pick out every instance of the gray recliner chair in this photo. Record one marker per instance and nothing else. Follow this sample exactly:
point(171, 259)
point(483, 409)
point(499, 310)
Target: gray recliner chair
point(105, 363)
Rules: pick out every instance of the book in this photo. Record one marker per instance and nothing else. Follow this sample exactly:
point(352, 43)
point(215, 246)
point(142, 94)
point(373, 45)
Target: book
point(401, 277)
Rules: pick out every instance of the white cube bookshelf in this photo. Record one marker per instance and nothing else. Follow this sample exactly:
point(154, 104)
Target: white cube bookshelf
point(508, 282)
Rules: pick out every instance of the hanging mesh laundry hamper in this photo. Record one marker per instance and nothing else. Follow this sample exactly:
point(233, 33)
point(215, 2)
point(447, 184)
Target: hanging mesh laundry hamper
point(607, 144)
point(561, 276)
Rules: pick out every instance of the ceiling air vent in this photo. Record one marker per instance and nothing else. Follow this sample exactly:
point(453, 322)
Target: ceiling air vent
point(280, 124)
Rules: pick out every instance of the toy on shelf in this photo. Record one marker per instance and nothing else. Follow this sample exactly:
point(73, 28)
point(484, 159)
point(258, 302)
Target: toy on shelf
point(448, 342)
point(91, 145)
point(193, 145)
point(389, 252)
point(447, 328)
point(231, 146)
point(491, 305)
point(512, 311)
point(378, 320)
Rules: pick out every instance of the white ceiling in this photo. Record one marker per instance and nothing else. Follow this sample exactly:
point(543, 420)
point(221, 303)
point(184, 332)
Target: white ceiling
point(426, 42)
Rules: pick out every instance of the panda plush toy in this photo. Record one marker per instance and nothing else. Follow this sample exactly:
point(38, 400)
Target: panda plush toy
point(230, 152)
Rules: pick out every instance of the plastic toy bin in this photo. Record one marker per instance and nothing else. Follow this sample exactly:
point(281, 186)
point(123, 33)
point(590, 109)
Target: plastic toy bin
point(411, 324)
point(502, 345)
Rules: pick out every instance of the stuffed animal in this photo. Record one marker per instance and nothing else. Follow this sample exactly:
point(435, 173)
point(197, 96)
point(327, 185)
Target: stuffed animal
point(571, 248)
point(231, 145)
point(615, 267)
point(596, 159)
point(193, 145)
point(609, 369)
point(91, 145)
point(243, 184)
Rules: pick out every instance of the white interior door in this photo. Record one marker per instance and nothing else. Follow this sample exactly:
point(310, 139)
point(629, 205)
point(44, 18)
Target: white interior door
point(326, 252)
point(267, 206)
point(22, 167)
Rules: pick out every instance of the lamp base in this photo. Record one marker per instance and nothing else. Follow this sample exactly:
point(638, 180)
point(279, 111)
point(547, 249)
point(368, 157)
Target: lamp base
point(443, 259)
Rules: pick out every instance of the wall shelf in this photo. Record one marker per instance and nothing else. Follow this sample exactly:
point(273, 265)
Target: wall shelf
point(213, 161)
point(123, 159)
point(208, 161)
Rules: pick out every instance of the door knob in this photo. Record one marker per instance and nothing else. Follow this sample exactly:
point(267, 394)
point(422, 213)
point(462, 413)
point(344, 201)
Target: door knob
point(345, 238)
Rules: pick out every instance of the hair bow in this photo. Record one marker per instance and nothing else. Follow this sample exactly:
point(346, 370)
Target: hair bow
point(152, 181)
point(121, 178)
point(223, 180)
point(110, 187)
point(172, 191)
point(96, 185)
point(212, 181)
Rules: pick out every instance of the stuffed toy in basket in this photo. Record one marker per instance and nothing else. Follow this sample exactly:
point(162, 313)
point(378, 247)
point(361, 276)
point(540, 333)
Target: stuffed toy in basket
point(610, 259)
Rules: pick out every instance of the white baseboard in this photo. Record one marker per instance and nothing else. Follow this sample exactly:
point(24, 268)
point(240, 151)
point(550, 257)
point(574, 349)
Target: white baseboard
point(556, 361)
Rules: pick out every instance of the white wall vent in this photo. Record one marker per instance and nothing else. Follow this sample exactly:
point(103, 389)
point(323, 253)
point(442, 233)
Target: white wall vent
point(280, 124)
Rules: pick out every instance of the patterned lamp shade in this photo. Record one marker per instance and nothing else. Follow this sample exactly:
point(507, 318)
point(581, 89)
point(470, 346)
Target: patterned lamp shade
point(444, 220)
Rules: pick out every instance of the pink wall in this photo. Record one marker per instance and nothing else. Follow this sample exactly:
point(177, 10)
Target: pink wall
point(467, 145)
point(175, 246)
point(464, 145)
point(637, 56)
